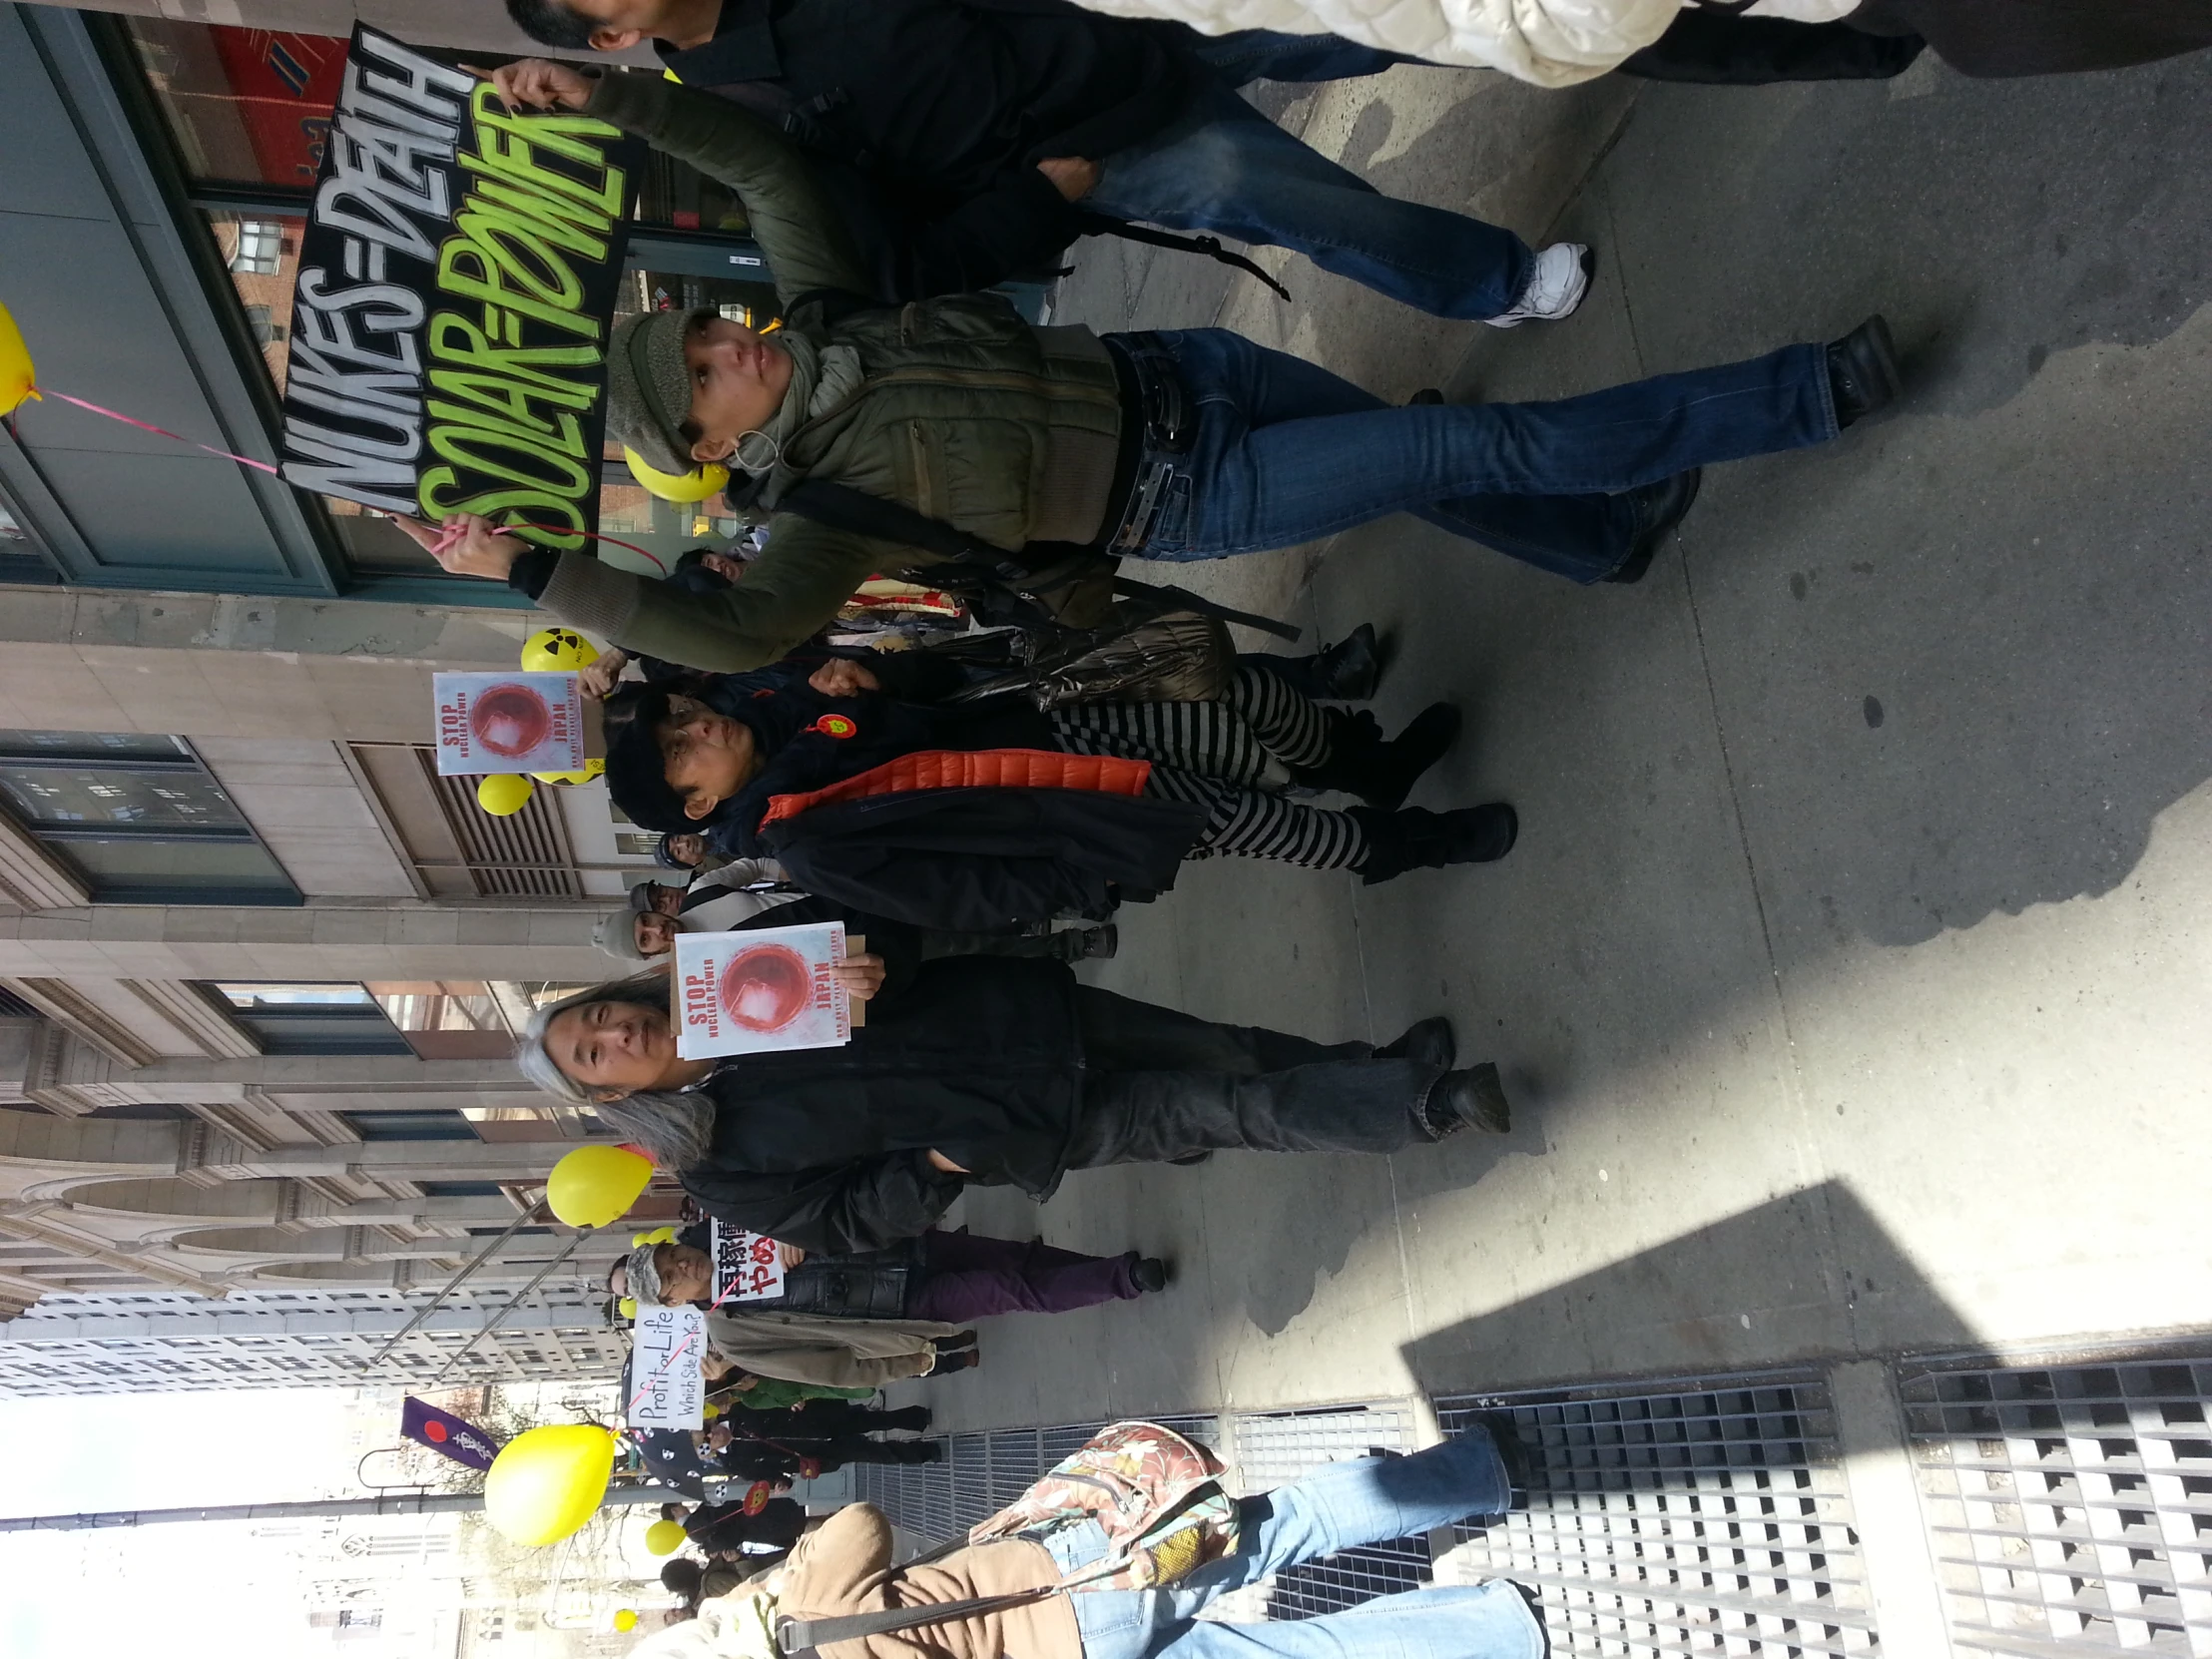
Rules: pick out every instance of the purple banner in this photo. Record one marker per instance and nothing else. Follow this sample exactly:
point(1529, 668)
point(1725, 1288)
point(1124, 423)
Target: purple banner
point(457, 1437)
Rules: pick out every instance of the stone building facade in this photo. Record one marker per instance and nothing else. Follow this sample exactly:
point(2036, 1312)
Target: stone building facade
point(279, 1070)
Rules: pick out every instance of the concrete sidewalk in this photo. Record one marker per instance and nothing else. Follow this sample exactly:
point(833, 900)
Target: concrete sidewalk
point(1851, 975)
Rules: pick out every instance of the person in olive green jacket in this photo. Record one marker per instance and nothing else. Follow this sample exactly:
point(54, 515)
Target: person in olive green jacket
point(1192, 444)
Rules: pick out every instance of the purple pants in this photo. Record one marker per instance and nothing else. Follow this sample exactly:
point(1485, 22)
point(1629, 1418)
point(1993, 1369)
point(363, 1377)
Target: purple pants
point(966, 1277)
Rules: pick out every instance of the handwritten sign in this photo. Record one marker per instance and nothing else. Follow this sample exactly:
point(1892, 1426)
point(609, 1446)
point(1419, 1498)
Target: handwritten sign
point(491, 722)
point(671, 1389)
point(761, 990)
point(457, 275)
point(748, 1266)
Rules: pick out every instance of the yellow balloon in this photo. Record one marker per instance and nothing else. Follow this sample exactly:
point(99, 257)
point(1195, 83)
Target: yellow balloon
point(665, 1537)
point(546, 1483)
point(661, 1234)
point(635, 1239)
point(504, 793)
point(625, 1619)
point(592, 768)
point(557, 651)
point(594, 1185)
point(18, 380)
point(627, 1307)
point(695, 485)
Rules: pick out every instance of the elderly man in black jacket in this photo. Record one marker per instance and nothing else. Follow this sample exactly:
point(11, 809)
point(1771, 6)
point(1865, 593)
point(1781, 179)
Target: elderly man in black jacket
point(998, 1070)
point(970, 140)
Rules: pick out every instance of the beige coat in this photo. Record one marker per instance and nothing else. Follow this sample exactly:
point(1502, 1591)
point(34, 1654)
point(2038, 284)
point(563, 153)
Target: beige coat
point(816, 1348)
point(845, 1567)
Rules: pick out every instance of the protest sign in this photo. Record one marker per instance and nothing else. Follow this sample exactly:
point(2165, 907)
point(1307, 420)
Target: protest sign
point(456, 282)
point(760, 990)
point(669, 1390)
point(748, 1266)
point(492, 722)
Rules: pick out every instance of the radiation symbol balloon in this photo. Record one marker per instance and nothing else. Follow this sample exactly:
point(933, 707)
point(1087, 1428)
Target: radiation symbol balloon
point(695, 485)
point(665, 1537)
point(504, 793)
point(546, 1483)
point(626, 1618)
point(557, 651)
point(18, 380)
point(594, 1185)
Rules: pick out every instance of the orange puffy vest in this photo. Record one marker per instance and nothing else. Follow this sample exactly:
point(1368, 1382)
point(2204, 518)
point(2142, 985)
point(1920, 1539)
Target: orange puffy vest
point(974, 769)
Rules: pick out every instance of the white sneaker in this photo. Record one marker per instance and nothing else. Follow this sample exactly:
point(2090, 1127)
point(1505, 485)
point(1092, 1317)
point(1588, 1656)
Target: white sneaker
point(1555, 287)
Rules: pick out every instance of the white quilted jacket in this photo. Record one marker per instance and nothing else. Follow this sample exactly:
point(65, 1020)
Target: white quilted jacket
point(1550, 43)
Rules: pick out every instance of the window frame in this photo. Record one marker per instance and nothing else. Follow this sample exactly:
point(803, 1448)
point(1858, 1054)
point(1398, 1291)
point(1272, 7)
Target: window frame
point(57, 839)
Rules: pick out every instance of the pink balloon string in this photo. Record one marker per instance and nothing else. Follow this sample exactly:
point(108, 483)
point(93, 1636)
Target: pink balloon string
point(445, 542)
point(161, 431)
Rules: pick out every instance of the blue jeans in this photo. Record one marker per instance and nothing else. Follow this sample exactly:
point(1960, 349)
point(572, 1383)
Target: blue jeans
point(1264, 55)
point(1285, 452)
point(1224, 167)
point(1337, 1508)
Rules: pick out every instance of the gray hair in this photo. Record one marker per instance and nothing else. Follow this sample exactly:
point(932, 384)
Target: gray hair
point(676, 1129)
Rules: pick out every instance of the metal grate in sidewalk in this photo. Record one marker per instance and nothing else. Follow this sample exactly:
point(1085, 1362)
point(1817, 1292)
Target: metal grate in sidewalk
point(1273, 1448)
point(1697, 1517)
point(2071, 1506)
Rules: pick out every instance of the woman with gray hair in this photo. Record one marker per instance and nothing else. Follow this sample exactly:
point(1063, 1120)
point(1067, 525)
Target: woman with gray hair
point(999, 1070)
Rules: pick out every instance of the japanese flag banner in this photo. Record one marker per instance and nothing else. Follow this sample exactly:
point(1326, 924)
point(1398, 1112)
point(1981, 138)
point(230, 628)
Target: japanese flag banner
point(748, 1266)
point(759, 990)
point(492, 722)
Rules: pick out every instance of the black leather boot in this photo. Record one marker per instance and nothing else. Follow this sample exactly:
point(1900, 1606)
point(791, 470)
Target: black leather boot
point(1381, 773)
point(1350, 669)
point(1664, 506)
point(1863, 372)
point(1415, 838)
point(1470, 1099)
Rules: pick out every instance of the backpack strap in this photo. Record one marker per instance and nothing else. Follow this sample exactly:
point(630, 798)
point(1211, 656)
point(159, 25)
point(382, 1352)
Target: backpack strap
point(844, 508)
point(1098, 225)
point(800, 1638)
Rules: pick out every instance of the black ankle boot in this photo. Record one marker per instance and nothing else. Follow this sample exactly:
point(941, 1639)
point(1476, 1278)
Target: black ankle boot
point(1415, 838)
point(1664, 506)
point(1863, 372)
point(1350, 669)
point(1381, 773)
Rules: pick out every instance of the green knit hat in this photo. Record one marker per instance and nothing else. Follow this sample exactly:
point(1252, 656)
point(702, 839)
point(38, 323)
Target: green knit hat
point(649, 389)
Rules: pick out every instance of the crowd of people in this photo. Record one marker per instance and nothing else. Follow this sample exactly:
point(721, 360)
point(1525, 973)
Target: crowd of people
point(896, 160)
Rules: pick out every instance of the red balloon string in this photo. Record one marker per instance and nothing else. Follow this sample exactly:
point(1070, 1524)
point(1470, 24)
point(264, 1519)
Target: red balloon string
point(447, 539)
point(264, 466)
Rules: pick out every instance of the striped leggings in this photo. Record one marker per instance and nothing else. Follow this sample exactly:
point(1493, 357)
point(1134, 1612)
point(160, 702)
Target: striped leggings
point(1233, 757)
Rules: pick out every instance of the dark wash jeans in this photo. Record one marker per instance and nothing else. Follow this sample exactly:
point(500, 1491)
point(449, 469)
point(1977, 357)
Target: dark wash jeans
point(1285, 452)
point(1226, 167)
point(1159, 1084)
